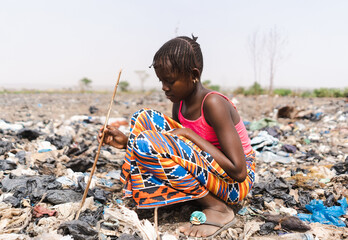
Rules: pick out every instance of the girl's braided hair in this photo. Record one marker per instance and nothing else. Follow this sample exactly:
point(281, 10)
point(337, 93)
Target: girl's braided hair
point(183, 53)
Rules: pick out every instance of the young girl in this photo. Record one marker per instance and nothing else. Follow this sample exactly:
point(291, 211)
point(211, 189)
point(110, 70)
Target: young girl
point(202, 153)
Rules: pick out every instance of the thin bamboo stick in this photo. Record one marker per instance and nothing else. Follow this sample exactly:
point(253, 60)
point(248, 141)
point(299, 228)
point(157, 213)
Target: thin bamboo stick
point(99, 147)
point(156, 223)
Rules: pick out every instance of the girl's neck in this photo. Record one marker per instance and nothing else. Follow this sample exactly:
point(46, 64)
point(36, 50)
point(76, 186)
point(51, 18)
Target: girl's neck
point(196, 97)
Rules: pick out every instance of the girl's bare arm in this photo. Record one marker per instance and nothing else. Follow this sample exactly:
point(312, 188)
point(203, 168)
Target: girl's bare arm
point(218, 113)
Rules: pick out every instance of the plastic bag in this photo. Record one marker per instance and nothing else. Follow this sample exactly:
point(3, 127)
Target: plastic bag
point(323, 214)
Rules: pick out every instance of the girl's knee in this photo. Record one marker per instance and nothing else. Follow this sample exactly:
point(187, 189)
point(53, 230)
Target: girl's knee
point(140, 112)
point(143, 143)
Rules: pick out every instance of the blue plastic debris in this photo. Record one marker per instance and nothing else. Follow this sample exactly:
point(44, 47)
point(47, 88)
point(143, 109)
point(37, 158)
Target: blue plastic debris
point(115, 174)
point(246, 123)
point(44, 150)
point(323, 214)
point(318, 116)
point(243, 211)
point(105, 182)
point(103, 237)
point(249, 211)
point(66, 181)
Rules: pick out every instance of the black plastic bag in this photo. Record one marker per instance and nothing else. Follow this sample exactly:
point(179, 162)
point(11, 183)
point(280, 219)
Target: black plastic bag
point(78, 230)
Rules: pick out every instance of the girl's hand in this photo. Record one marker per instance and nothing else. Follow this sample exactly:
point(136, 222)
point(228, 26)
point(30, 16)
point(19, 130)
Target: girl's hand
point(113, 137)
point(181, 132)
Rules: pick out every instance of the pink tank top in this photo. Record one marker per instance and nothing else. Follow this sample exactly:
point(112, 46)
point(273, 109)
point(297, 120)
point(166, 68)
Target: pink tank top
point(202, 128)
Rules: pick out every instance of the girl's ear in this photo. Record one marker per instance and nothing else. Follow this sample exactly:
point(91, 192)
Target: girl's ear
point(196, 74)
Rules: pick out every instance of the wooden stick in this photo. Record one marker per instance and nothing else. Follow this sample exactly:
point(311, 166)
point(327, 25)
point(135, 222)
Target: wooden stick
point(156, 223)
point(99, 147)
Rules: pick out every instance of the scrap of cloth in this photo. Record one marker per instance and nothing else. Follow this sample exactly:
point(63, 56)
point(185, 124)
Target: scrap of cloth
point(161, 168)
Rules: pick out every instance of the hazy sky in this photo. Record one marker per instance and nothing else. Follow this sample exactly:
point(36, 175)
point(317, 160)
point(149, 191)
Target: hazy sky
point(56, 43)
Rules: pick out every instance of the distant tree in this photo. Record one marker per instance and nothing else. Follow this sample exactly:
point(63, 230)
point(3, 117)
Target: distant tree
point(85, 83)
point(256, 47)
point(143, 75)
point(275, 46)
point(124, 86)
point(269, 49)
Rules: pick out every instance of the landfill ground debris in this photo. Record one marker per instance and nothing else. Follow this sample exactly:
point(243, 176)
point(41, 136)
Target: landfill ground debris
point(48, 144)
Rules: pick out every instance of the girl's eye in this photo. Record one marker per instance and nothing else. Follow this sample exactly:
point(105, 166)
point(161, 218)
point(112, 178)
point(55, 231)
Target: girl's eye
point(167, 81)
point(171, 81)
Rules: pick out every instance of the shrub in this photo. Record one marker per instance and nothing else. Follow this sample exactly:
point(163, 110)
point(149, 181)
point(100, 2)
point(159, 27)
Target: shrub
point(255, 89)
point(282, 91)
point(337, 93)
point(345, 92)
point(215, 87)
point(207, 84)
point(239, 90)
point(321, 92)
point(330, 92)
point(307, 94)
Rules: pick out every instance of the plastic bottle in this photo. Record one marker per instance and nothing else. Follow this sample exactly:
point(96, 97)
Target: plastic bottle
point(268, 156)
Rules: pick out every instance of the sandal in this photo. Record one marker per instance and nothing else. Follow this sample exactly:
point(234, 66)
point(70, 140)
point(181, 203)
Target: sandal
point(199, 218)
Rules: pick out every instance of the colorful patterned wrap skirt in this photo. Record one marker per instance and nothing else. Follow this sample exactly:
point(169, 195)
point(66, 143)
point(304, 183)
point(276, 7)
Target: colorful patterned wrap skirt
point(161, 168)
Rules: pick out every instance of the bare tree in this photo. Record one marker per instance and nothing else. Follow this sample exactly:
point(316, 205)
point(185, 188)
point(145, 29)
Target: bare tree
point(143, 75)
point(256, 46)
point(275, 47)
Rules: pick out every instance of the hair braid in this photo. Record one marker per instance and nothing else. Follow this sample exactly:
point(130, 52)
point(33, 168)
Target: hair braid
point(183, 53)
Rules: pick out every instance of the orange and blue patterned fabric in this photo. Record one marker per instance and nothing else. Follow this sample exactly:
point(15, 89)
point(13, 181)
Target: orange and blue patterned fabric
point(161, 168)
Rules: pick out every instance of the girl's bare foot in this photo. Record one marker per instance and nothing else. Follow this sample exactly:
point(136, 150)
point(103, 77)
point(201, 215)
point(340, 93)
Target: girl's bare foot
point(216, 212)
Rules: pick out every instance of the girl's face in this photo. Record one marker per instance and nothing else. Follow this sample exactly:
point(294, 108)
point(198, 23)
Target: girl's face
point(175, 86)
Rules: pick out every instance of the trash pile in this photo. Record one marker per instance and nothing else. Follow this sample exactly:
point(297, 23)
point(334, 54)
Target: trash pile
point(301, 187)
point(302, 177)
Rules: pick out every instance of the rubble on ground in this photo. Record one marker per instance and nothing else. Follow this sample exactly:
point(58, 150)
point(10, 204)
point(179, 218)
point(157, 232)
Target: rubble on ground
point(48, 145)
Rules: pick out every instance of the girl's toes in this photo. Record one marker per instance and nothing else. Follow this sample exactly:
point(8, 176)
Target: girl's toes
point(185, 228)
point(193, 233)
